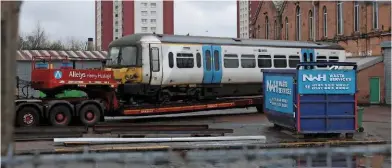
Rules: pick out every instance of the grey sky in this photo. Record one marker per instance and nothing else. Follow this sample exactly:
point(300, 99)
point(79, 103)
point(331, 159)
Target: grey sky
point(63, 19)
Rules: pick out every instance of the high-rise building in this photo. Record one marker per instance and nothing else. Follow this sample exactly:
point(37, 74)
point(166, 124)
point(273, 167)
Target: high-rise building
point(115, 19)
point(246, 10)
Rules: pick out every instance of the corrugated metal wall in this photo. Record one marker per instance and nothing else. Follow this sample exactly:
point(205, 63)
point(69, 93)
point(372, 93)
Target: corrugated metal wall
point(23, 71)
point(387, 71)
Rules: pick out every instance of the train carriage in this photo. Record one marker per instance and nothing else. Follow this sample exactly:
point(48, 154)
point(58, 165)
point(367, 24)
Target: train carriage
point(156, 67)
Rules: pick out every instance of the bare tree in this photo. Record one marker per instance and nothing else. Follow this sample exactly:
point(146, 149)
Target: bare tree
point(56, 45)
point(39, 40)
point(9, 37)
point(75, 45)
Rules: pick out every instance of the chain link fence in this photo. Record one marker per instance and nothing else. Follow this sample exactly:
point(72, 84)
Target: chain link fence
point(355, 156)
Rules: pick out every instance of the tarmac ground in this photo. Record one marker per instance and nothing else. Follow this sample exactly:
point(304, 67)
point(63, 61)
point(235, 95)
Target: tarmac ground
point(376, 123)
point(244, 122)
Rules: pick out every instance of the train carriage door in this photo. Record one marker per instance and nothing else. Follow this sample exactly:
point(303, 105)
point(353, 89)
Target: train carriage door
point(155, 64)
point(207, 62)
point(217, 64)
point(308, 56)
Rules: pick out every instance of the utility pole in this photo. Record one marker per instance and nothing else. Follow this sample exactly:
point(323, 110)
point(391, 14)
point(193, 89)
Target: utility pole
point(9, 39)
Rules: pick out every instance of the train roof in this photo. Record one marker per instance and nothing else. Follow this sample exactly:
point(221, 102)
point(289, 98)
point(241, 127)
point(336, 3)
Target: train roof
point(164, 38)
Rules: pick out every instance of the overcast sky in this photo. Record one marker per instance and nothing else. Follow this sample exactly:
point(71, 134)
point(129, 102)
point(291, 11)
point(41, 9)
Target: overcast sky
point(63, 19)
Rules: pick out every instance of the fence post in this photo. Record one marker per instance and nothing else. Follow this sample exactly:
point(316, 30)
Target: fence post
point(9, 40)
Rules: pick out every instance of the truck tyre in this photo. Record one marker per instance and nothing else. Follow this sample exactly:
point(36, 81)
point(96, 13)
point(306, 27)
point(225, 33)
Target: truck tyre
point(90, 114)
point(60, 115)
point(27, 117)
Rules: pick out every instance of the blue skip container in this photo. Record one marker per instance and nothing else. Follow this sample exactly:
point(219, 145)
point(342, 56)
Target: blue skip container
point(312, 101)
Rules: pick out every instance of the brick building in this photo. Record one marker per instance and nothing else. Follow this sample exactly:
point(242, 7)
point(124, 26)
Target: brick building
point(358, 26)
point(115, 19)
point(266, 21)
point(245, 11)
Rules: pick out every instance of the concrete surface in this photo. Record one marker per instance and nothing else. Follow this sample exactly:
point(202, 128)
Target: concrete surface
point(377, 122)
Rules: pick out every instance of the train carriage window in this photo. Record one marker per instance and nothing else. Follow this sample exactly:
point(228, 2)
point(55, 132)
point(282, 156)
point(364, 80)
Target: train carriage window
point(231, 61)
point(114, 54)
point(128, 56)
point(294, 60)
point(264, 61)
point(248, 61)
point(208, 60)
point(280, 61)
point(333, 59)
point(321, 59)
point(155, 59)
point(198, 60)
point(171, 60)
point(216, 60)
point(185, 60)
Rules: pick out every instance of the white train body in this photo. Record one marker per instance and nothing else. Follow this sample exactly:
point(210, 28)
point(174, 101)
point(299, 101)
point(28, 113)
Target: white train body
point(225, 64)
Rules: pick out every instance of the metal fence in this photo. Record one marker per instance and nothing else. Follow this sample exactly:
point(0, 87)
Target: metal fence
point(356, 156)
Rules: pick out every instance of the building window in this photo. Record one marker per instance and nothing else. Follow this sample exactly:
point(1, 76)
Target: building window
point(116, 15)
point(153, 13)
point(298, 24)
point(116, 22)
point(116, 30)
point(325, 21)
point(356, 16)
point(153, 29)
point(310, 25)
point(116, 7)
point(375, 15)
point(144, 21)
point(144, 13)
point(339, 17)
point(286, 29)
point(153, 21)
point(266, 27)
point(144, 29)
point(144, 4)
point(275, 30)
point(153, 5)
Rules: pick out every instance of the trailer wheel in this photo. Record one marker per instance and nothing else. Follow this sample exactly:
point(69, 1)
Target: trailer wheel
point(260, 108)
point(90, 114)
point(349, 135)
point(60, 115)
point(28, 117)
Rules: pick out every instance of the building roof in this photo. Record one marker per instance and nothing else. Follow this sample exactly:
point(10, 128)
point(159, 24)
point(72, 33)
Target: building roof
point(365, 62)
point(23, 55)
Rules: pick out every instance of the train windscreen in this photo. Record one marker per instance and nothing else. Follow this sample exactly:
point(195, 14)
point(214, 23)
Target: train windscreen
point(125, 56)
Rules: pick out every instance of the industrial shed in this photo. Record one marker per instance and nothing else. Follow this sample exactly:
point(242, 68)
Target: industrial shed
point(386, 51)
point(370, 79)
point(81, 60)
